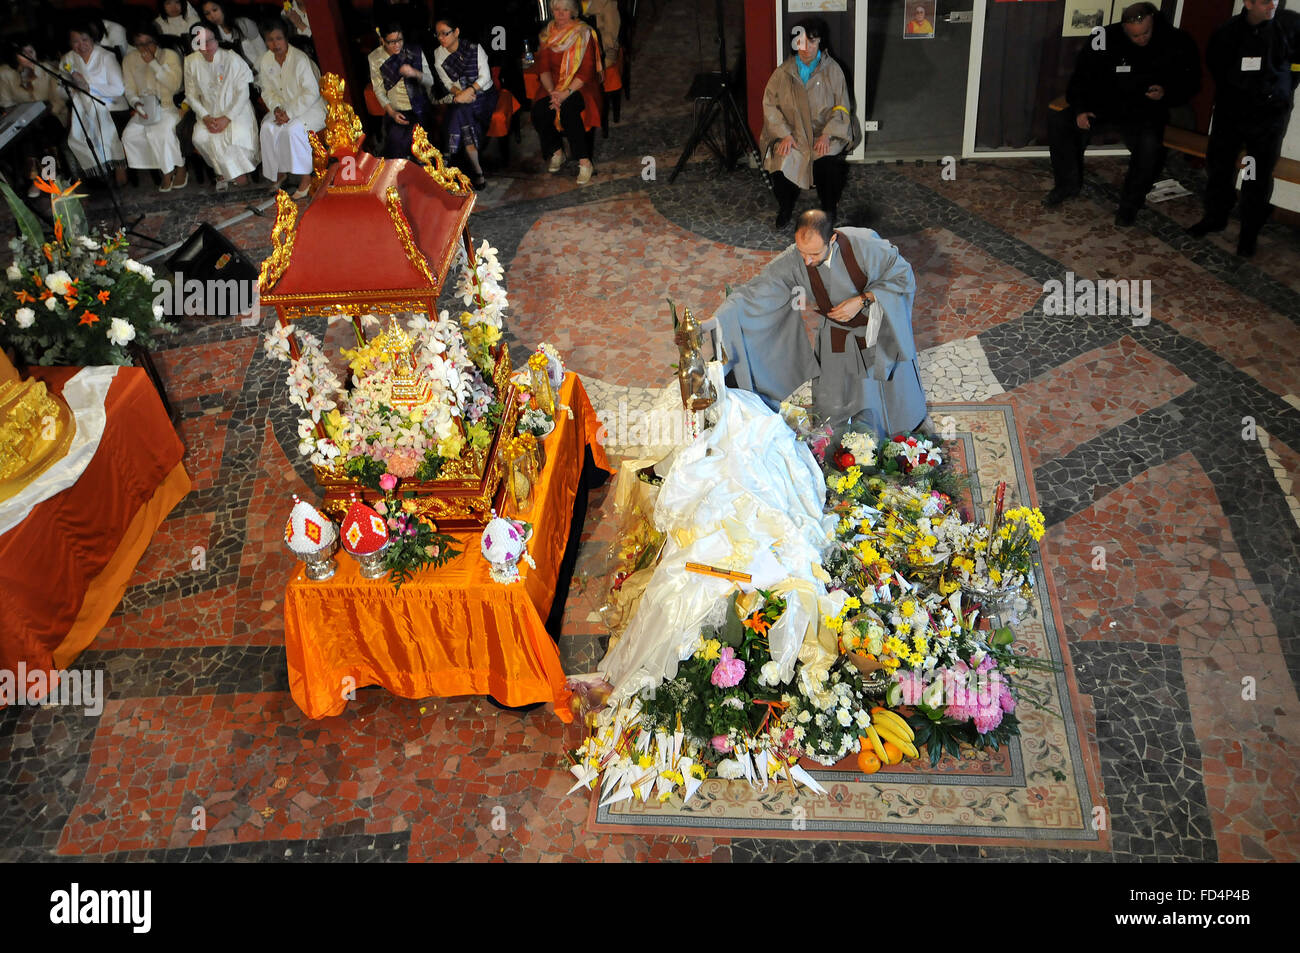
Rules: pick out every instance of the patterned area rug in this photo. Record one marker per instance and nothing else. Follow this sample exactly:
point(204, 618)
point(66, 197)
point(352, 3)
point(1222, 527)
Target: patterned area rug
point(1042, 789)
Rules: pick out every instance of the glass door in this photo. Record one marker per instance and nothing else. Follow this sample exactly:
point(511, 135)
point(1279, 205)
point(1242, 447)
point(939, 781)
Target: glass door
point(917, 58)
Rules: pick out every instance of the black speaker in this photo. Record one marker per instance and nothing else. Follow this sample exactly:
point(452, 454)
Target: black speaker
point(212, 260)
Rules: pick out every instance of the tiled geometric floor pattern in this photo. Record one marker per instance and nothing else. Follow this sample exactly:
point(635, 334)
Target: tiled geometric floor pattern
point(1186, 646)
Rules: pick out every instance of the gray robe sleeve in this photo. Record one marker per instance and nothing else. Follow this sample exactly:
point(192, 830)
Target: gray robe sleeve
point(766, 344)
point(880, 383)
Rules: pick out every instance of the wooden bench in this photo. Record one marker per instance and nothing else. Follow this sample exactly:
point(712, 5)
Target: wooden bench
point(1197, 143)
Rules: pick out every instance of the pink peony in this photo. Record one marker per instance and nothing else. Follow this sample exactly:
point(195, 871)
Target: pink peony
point(721, 744)
point(388, 481)
point(986, 719)
point(729, 671)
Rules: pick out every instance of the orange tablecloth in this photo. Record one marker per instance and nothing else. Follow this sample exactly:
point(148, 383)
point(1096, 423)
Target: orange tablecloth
point(449, 631)
point(64, 568)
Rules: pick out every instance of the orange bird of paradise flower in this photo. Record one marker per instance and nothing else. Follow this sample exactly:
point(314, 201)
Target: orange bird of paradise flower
point(103, 296)
point(757, 623)
point(88, 317)
point(23, 296)
point(58, 230)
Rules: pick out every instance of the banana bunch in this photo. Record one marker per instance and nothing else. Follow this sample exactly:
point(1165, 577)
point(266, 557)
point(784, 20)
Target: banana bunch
point(889, 727)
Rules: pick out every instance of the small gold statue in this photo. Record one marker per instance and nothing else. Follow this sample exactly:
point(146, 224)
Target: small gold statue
point(697, 391)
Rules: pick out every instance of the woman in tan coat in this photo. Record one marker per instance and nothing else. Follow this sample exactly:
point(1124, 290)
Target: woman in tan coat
point(807, 125)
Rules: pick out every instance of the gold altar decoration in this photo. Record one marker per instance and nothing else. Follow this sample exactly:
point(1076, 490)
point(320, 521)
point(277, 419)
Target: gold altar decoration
point(342, 127)
point(320, 156)
point(692, 377)
point(403, 229)
point(451, 179)
point(522, 472)
point(282, 235)
point(541, 382)
point(36, 430)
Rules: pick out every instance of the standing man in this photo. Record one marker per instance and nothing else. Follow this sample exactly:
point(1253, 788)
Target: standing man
point(864, 365)
point(1250, 59)
point(1129, 77)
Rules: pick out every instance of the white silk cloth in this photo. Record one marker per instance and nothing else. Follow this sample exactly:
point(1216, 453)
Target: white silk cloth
point(747, 496)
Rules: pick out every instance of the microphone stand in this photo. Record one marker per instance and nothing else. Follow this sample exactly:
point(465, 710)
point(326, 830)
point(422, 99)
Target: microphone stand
point(71, 89)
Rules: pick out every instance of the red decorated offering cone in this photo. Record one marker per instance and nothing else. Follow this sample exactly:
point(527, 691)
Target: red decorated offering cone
point(365, 537)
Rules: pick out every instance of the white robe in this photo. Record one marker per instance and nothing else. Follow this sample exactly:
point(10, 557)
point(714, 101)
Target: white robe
point(220, 88)
point(153, 145)
point(249, 42)
point(44, 89)
point(295, 88)
point(178, 26)
point(94, 135)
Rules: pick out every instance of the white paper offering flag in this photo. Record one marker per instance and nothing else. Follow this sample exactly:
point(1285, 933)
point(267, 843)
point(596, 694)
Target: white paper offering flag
point(307, 531)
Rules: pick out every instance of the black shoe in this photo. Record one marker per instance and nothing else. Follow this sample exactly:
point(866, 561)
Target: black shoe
point(1204, 227)
point(1124, 218)
point(1058, 195)
point(783, 218)
point(1246, 246)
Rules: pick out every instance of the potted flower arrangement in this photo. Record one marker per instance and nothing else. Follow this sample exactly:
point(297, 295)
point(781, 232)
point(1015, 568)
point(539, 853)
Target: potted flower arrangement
point(77, 299)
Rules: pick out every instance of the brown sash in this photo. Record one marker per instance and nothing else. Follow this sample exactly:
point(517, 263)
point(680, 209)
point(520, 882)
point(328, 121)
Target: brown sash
point(840, 329)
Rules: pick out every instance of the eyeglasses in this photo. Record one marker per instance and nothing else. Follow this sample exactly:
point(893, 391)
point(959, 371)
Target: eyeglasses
point(392, 41)
point(446, 32)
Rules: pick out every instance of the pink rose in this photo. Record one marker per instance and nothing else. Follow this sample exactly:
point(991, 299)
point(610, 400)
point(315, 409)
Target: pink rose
point(721, 744)
point(387, 482)
point(729, 670)
point(381, 508)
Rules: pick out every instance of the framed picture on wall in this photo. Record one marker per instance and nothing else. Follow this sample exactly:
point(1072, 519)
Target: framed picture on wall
point(918, 19)
point(818, 6)
point(1081, 16)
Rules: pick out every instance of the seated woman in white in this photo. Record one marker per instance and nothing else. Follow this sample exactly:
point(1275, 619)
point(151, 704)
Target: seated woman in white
point(175, 17)
point(153, 78)
point(237, 33)
point(92, 136)
point(291, 91)
point(216, 88)
point(21, 82)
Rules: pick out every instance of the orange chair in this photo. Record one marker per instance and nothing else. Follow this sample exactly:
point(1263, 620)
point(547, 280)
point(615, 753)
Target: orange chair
point(503, 117)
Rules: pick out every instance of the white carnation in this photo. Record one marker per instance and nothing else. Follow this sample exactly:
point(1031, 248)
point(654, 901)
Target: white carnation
point(143, 271)
point(60, 282)
point(769, 674)
point(730, 769)
point(13, 272)
point(25, 317)
point(51, 303)
point(121, 332)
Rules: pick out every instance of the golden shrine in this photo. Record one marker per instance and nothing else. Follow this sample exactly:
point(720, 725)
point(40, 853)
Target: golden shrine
point(378, 237)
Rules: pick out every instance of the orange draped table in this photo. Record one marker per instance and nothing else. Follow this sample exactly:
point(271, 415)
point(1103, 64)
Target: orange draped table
point(449, 631)
point(64, 568)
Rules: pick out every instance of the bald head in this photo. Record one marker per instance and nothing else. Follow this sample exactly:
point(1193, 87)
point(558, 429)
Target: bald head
point(815, 220)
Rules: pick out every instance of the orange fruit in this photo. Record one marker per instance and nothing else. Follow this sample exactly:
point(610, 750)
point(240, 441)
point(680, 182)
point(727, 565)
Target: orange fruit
point(893, 754)
point(868, 763)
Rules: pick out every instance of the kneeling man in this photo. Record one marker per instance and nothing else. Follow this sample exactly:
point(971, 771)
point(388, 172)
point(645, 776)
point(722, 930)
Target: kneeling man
point(864, 366)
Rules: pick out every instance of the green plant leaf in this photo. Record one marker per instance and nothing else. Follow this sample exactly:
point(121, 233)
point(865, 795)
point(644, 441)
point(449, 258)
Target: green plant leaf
point(28, 223)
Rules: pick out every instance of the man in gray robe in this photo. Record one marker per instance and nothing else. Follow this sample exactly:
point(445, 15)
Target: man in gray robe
point(864, 366)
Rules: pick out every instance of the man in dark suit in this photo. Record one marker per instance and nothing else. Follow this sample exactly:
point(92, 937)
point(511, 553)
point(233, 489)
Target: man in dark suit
point(1250, 59)
point(1129, 77)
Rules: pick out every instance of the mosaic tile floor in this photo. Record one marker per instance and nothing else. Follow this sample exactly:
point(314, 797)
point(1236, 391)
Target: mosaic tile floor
point(1185, 642)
